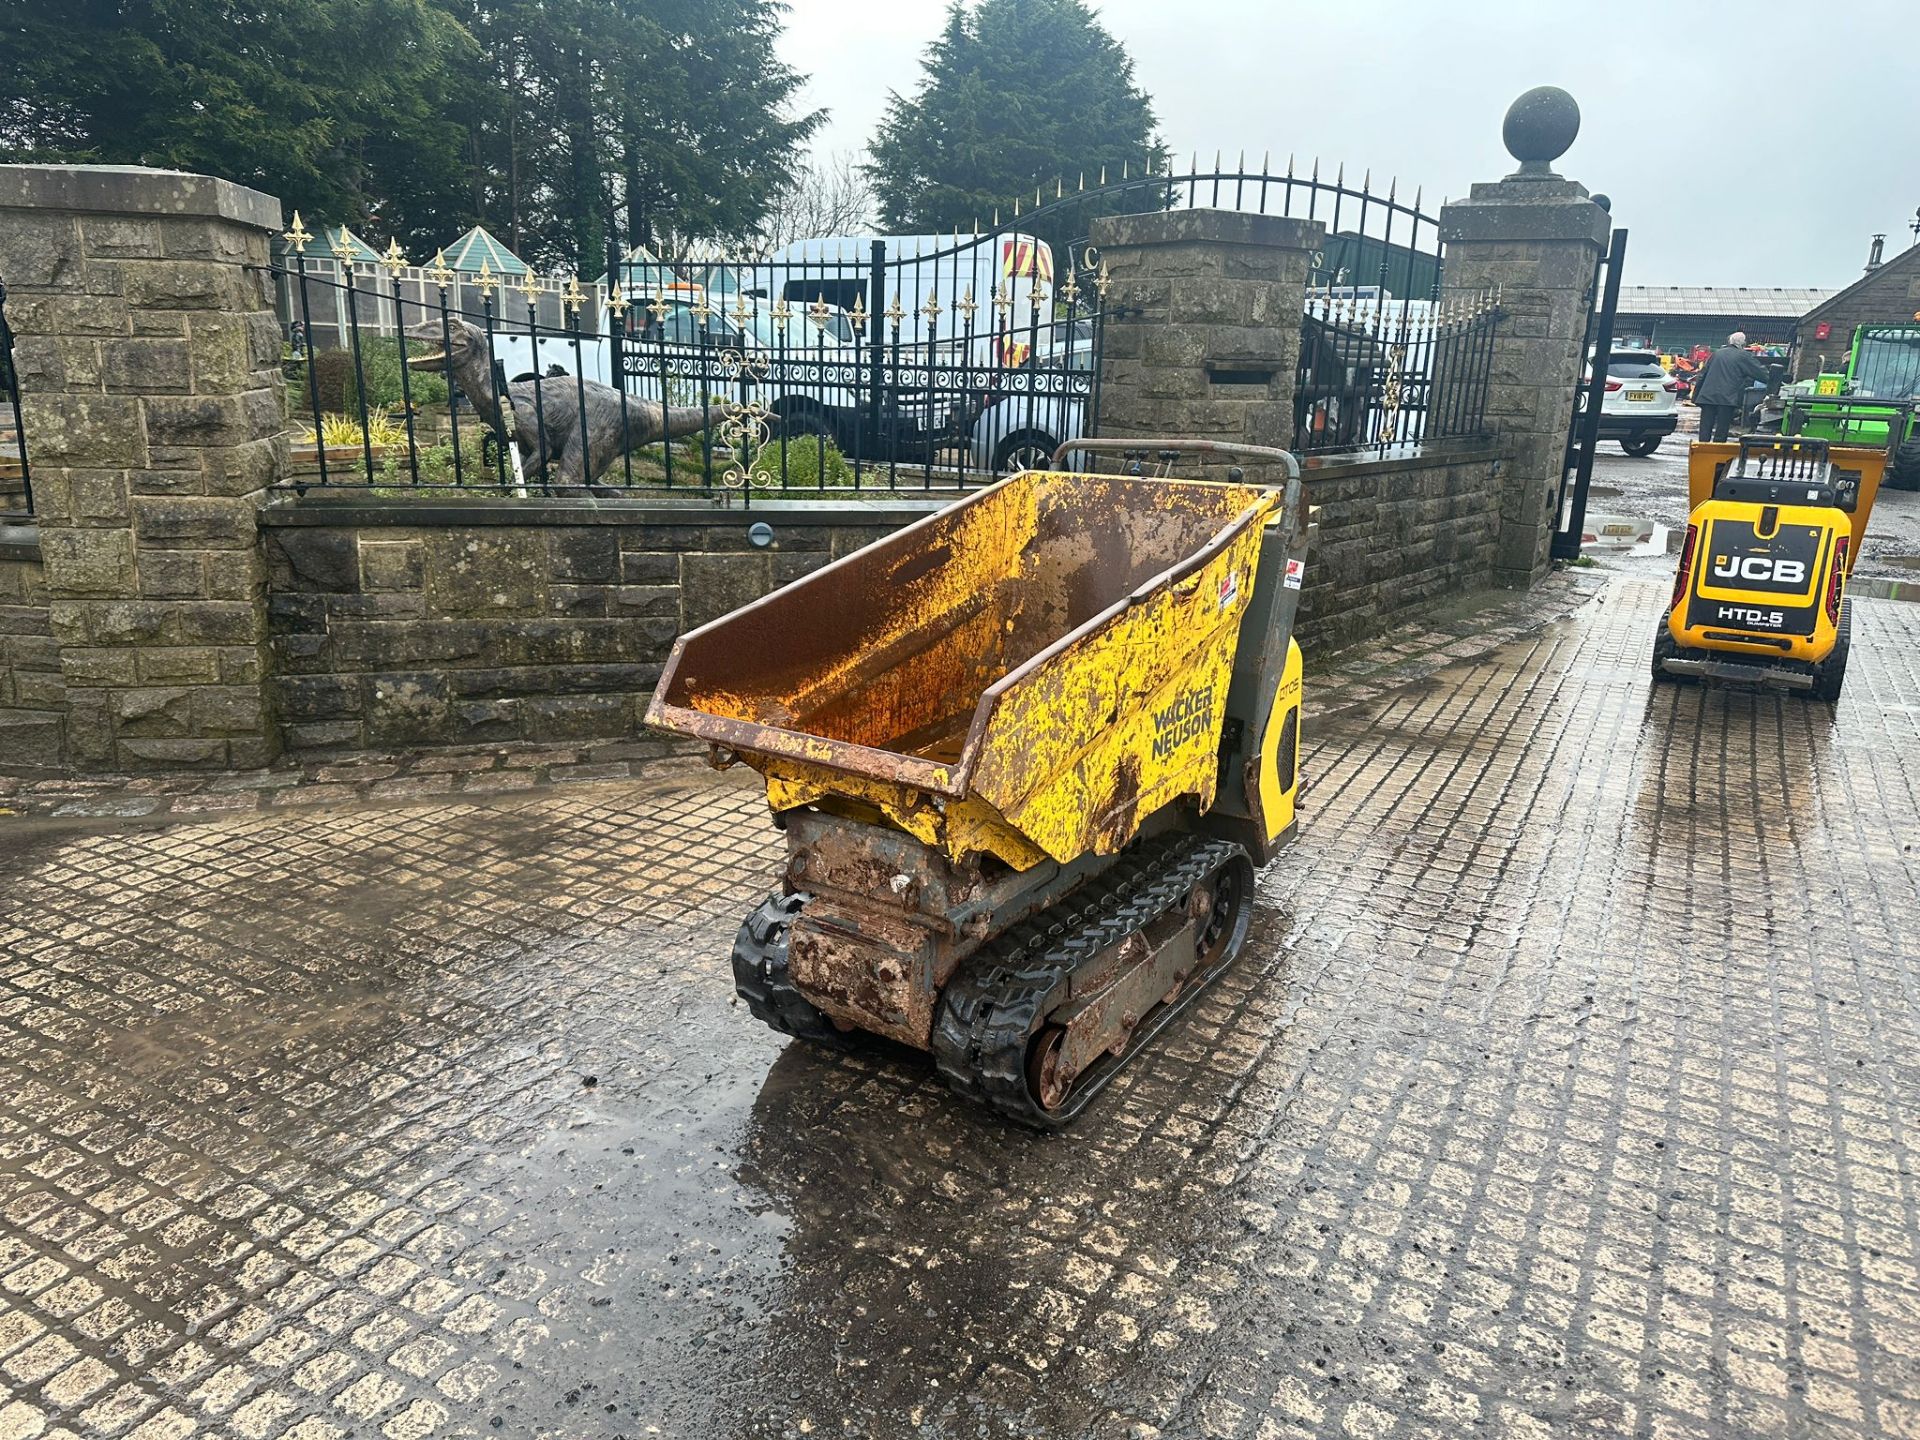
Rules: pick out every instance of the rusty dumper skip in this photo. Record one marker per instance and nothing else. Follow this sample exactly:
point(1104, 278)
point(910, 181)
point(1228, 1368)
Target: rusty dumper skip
point(1027, 753)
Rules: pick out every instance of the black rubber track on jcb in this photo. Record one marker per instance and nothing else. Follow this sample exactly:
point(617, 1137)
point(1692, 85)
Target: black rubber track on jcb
point(760, 974)
point(1831, 672)
point(992, 1008)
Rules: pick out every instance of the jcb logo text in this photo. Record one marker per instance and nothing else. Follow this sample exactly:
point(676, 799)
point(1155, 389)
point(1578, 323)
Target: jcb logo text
point(1759, 567)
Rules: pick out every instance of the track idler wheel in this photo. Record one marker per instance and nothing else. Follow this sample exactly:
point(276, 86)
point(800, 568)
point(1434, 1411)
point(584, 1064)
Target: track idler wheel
point(761, 978)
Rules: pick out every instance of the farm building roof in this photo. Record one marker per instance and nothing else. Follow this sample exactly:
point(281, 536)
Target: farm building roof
point(1780, 301)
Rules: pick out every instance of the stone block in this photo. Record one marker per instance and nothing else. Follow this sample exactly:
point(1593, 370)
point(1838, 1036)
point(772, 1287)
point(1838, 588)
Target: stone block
point(407, 708)
point(88, 562)
point(199, 420)
point(713, 585)
point(252, 752)
point(247, 468)
point(193, 522)
point(487, 573)
point(475, 722)
point(64, 312)
point(497, 682)
point(144, 366)
point(296, 615)
point(98, 496)
point(324, 561)
point(175, 480)
point(664, 600)
point(600, 679)
point(178, 665)
point(111, 237)
point(392, 565)
point(586, 601)
point(219, 356)
point(324, 735)
point(587, 555)
point(647, 567)
point(573, 717)
point(40, 250)
point(145, 752)
point(153, 710)
point(155, 284)
point(37, 690)
point(83, 430)
point(228, 710)
point(171, 574)
point(231, 574)
point(89, 728)
point(241, 664)
point(32, 741)
point(206, 239)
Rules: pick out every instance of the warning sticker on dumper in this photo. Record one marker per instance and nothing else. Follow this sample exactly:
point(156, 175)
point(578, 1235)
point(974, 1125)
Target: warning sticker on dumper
point(1296, 572)
point(1181, 720)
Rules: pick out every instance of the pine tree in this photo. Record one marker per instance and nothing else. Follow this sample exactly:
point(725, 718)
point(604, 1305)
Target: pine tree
point(337, 109)
point(1014, 94)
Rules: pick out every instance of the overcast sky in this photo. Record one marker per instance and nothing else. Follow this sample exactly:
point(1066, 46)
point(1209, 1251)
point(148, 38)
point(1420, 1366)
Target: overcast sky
point(1756, 143)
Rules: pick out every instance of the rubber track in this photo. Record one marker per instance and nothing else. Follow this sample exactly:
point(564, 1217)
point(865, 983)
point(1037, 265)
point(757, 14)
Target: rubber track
point(990, 1010)
point(760, 974)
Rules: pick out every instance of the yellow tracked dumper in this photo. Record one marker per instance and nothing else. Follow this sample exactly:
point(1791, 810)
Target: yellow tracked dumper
point(1027, 753)
point(1773, 531)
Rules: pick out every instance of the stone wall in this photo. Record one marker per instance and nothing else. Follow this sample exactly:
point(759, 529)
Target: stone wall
point(396, 625)
point(148, 357)
point(33, 694)
point(408, 625)
point(1395, 538)
point(1889, 295)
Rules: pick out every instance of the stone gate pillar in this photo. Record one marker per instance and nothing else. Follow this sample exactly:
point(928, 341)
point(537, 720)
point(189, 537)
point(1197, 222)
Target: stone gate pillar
point(1202, 335)
point(1535, 238)
point(148, 355)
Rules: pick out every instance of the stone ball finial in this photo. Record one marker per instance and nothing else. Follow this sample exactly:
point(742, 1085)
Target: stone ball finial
point(1540, 127)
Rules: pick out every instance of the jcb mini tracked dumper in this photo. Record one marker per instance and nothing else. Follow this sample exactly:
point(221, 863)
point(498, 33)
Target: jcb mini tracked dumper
point(1773, 532)
point(1027, 754)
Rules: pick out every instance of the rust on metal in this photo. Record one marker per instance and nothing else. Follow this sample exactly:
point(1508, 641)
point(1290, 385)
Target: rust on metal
point(1029, 673)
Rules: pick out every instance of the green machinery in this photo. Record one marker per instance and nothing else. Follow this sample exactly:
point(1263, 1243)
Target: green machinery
point(1872, 403)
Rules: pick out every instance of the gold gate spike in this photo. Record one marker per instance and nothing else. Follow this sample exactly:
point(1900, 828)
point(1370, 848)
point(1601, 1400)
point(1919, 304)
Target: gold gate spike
point(298, 235)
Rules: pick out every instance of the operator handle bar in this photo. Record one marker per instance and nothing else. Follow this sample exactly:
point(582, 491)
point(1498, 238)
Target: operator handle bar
point(1227, 449)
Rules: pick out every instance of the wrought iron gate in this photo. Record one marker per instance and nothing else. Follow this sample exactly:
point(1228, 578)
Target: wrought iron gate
point(1576, 472)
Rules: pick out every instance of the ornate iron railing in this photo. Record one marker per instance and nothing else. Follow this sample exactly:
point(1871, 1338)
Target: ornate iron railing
point(940, 365)
point(836, 365)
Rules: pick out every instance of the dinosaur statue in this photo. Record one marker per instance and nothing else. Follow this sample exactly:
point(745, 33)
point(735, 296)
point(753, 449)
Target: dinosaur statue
point(542, 417)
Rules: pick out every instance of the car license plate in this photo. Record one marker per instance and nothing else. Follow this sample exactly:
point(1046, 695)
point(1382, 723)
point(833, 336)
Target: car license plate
point(1643, 395)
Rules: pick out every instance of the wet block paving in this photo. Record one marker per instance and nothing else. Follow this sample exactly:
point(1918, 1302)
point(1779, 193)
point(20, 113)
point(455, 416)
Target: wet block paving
point(1568, 1087)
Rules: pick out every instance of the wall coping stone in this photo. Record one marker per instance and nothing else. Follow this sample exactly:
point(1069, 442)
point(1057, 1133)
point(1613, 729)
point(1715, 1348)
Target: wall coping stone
point(134, 190)
point(1461, 450)
point(402, 514)
point(888, 515)
point(1205, 226)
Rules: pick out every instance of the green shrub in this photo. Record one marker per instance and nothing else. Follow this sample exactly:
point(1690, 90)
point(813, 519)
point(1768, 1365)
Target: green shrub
point(333, 378)
point(811, 462)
